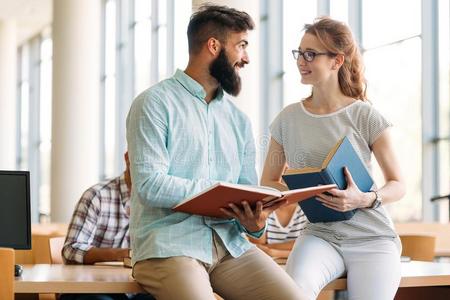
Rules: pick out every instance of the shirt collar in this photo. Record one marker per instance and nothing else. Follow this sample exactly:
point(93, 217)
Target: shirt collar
point(195, 88)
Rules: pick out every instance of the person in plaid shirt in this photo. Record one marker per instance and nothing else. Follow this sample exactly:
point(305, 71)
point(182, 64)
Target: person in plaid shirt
point(99, 230)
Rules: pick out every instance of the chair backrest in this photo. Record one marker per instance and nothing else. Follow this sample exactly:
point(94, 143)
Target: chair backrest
point(440, 231)
point(56, 244)
point(6, 274)
point(418, 247)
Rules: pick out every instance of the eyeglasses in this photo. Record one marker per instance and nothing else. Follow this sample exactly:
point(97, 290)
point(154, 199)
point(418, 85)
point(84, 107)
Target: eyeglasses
point(309, 55)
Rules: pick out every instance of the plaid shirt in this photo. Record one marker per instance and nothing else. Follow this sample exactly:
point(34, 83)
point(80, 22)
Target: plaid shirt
point(100, 219)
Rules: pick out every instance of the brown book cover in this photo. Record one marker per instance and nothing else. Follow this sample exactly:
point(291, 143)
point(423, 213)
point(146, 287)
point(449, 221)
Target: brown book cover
point(209, 202)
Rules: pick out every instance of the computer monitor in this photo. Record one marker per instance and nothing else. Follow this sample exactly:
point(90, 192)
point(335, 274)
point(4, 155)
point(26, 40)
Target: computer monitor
point(15, 219)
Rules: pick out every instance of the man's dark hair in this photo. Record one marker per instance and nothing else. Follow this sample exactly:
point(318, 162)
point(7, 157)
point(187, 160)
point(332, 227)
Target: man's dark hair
point(215, 21)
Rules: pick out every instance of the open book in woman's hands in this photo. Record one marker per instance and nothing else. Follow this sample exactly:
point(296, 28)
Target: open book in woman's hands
point(209, 201)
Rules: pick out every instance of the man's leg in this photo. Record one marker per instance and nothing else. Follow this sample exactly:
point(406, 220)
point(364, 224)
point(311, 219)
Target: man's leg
point(253, 275)
point(174, 278)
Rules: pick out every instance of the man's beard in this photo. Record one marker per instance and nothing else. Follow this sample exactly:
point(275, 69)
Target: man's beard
point(225, 74)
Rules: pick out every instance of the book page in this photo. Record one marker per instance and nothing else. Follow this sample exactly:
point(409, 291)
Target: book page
point(302, 171)
point(331, 153)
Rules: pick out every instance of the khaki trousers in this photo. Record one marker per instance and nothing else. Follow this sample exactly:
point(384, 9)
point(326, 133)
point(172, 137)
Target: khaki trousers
point(253, 275)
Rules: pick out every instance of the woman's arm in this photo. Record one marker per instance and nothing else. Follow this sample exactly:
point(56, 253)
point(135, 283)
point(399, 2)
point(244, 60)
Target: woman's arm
point(391, 191)
point(282, 246)
point(274, 167)
point(280, 250)
point(275, 253)
point(394, 188)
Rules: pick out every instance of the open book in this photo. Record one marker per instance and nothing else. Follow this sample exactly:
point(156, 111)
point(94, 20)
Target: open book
point(331, 172)
point(209, 201)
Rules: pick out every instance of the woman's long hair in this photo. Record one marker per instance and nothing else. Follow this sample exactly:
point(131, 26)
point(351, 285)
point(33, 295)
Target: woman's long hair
point(337, 38)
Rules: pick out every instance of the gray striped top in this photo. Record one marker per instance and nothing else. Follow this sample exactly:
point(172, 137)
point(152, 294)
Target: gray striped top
point(307, 138)
point(277, 233)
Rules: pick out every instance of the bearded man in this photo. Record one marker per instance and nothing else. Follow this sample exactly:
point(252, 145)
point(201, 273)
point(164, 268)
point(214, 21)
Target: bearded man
point(184, 135)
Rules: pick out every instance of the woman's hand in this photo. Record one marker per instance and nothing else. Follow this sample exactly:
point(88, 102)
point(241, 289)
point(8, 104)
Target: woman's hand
point(252, 220)
point(345, 200)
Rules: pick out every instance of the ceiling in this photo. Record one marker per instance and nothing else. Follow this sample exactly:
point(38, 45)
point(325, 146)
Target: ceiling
point(31, 16)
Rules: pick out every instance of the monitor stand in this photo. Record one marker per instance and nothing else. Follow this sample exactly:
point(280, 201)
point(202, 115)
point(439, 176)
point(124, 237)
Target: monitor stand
point(18, 269)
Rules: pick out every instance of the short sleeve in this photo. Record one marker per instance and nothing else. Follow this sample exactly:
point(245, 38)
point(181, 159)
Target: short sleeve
point(276, 129)
point(377, 124)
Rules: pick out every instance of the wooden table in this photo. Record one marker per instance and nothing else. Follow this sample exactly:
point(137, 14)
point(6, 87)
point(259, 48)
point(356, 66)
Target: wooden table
point(117, 279)
point(414, 274)
point(75, 279)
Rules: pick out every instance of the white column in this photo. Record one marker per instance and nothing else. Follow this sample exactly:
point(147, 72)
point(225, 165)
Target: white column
point(249, 98)
point(8, 83)
point(76, 86)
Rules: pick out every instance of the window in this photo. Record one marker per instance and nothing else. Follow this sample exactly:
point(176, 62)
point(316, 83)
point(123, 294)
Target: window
point(339, 10)
point(34, 119)
point(443, 142)
point(139, 51)
point(45, 125)
point(295, 15)
point(23, 106)
point(394, 86)
point(143, 42)
point(109, 82)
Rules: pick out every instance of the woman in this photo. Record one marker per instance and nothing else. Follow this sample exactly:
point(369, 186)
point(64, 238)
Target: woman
point(366, 247)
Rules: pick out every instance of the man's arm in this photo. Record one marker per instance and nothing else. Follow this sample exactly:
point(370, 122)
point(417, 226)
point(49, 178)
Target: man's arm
point(82, 228)
point(95, 254)
point(147, 132)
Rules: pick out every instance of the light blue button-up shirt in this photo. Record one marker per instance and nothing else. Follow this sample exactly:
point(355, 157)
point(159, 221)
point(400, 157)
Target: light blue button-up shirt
point(180, 145)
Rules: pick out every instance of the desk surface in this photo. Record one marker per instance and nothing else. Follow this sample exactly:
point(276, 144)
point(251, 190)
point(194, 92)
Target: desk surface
point(117, 279)
point(75, 279)
point(414, 274)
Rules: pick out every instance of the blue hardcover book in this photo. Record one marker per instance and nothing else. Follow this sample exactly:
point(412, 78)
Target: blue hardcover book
point(331, 172)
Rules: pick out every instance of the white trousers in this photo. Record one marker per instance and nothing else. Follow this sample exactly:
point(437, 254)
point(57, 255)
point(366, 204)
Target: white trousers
point(372, 267)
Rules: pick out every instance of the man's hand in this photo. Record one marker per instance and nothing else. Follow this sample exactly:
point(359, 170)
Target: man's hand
point(252, 220)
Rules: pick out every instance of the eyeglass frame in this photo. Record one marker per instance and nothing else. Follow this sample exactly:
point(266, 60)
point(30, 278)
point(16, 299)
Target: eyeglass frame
point(299, 53)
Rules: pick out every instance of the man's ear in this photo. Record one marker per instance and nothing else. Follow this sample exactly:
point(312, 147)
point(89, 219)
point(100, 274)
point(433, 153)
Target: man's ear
point(213, 46)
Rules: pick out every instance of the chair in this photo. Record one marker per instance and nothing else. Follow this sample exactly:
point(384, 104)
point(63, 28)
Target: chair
point(56, 244)
point(418, 247)
point(439, 230)
point(6, 274)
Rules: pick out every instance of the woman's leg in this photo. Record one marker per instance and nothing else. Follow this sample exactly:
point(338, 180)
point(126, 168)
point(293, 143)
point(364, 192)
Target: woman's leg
point(373, 270)
point(313, 263)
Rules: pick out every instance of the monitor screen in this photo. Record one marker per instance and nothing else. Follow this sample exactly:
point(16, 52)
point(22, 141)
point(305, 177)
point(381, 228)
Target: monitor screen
point(15, 219)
